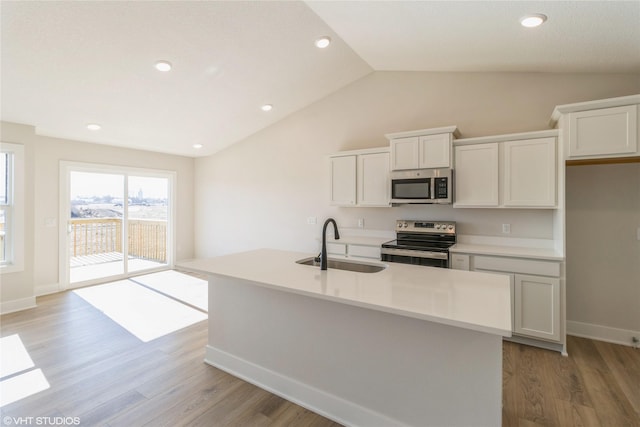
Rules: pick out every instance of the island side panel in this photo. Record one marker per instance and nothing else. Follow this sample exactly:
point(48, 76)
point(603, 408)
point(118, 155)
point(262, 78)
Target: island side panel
point(357, 366)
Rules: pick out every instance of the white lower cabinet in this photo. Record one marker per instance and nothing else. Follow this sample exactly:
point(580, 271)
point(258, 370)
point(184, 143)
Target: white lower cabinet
point(537, 306)
point(352, 250)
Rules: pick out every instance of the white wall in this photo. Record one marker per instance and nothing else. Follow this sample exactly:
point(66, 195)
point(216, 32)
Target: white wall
point(259, 192)
point(42, 158)
point(603, 250)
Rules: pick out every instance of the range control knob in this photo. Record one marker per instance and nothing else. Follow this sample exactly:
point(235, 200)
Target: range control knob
point(450, 227)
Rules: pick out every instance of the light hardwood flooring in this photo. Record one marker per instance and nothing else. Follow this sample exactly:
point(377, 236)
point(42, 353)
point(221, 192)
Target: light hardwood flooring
point(100, 373)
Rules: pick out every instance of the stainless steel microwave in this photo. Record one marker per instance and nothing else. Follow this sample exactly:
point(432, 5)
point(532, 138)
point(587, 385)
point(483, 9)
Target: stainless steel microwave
point(421, 186)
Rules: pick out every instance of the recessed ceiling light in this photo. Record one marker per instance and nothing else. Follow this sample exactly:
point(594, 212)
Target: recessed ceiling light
point(197, 146)
point(267, 107)
point(94, 126)
point(533, 20)
point(163, 66)
point(323, 42)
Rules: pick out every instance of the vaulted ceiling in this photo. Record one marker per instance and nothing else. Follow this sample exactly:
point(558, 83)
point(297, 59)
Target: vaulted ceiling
point(68, 64)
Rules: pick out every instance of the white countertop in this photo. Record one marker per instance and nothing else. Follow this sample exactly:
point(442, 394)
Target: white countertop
point(507, 251)
point(465, 299)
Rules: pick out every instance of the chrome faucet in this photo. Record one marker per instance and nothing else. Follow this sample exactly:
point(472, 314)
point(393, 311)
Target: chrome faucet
point(323, 254)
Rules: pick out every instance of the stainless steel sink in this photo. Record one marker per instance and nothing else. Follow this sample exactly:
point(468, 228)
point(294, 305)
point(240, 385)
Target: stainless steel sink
point(360, 267)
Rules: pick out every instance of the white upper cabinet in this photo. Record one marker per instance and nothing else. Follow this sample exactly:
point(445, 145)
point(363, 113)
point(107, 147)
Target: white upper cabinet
point(373, 185)
point(422, 149)
point(405, 153)
point(507, 171)
point(343, 180)
point(360, 178)
point(600, 129)
point(435, 151)
point(476, 175)
point(605, 132)
point(530, 173)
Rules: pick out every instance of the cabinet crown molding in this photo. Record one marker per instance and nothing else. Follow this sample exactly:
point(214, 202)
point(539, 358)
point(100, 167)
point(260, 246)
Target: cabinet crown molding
point(385, 149)
point(423, 132)
point(559, 110)
point(507, 137)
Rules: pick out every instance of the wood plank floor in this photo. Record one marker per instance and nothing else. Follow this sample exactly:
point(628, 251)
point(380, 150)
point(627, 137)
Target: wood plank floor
point(100, 373)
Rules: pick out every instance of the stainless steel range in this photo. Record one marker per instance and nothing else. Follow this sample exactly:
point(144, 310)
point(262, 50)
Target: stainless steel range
point(421, 242)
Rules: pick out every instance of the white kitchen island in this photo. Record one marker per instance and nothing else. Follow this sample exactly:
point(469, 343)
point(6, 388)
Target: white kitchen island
point(409, 345)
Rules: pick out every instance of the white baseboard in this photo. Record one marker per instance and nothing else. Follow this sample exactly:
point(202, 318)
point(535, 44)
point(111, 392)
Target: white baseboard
point(17, 305)
point(601, 333)
point(47, 289)
point(318, 401)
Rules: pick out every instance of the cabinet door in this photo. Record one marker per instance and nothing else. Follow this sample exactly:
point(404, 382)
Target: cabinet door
point(476, 175)
point(405, 153)
point(373, 180)
point(530, 173)
point(343, 180)
point(607, 132)
point(435, 151)
point(537, 307)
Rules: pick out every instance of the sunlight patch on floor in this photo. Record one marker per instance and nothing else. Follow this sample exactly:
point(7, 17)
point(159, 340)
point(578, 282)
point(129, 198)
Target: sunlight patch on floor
point(183, 287)
point(143, 312)
point(15, 359)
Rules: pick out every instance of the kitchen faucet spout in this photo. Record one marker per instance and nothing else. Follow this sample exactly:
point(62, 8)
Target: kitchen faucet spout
point(323, 254)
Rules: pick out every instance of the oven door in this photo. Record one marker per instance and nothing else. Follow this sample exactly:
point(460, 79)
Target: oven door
point(411, 190)
point(408, 256)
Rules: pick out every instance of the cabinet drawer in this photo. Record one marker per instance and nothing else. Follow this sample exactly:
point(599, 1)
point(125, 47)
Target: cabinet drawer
point(517, 265)
point(460, 262)
point(336, 248)
point(364, 251)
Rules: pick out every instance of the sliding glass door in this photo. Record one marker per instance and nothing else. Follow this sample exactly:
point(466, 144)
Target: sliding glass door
point(118, 222)
point(147, 219)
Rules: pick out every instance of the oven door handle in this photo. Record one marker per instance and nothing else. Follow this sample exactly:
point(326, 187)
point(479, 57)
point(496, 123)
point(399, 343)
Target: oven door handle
point(413, 253)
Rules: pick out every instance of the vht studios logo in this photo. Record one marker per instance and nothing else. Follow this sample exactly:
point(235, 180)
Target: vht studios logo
point(41, 421)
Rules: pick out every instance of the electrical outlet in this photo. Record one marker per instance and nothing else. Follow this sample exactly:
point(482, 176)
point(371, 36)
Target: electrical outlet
point(360, 222)
point(506, 228)
point(312, 220)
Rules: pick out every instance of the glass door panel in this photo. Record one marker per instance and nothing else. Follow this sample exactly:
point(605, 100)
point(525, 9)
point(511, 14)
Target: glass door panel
point(148, 219)
point(96, 226)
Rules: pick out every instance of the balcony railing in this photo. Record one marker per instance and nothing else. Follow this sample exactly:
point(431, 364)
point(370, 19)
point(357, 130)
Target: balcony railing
point(93, 236)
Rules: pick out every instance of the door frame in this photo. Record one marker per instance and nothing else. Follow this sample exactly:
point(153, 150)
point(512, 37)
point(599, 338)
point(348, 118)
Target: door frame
point(66, 167)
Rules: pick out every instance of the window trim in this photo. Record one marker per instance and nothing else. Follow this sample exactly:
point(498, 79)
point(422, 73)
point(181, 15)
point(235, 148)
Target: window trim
point(15, 242)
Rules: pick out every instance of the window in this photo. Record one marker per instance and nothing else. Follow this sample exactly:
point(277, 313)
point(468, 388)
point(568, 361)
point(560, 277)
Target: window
point(6, 186)
point(11, 207)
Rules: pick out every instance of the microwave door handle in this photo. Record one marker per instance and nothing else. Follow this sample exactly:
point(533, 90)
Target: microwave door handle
point(432, 187)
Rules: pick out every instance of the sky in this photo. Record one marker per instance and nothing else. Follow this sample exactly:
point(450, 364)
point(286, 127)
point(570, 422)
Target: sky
point(88, 184)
